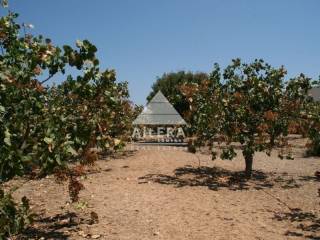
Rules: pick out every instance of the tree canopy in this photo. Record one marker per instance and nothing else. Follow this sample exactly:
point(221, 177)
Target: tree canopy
point(169, 84)
point(250, 104)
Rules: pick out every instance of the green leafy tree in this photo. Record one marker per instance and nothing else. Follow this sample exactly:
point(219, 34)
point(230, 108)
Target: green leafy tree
point(313, 146)
point(170, 83)
point(312, 121)
point(205, 108)
point(259, 106)
point(252, 105)
point(43, 127)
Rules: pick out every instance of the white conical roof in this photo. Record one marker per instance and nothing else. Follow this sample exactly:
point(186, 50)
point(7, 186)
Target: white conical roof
point(159, 97)
point(159, 111)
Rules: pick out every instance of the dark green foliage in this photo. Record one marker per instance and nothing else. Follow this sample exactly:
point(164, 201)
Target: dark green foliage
point(204, 99)
point(250, 104)
point(44, 127)
point(47, 126)
point(312, 114)
point(314, 147)
point(228, 153)
point(170, 83)
point(13, 218)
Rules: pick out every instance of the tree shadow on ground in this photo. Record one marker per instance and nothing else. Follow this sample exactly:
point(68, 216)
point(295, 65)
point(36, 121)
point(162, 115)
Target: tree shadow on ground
point(59, 226)
point(306, 223)
point(217, 177)
point(121, 154)
point(211, 177)
point(286, 181)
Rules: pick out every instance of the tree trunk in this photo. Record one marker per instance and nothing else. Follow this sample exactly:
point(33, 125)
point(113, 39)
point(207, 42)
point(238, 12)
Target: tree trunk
point(271, 141)
point(249, 159)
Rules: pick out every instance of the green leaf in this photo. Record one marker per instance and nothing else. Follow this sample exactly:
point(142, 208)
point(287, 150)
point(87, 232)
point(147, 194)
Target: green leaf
point(7, 137)
point(58, 159)
point(26, 158)
point(72, 151)
point(48, 140)
point(79, 43)
point(5, 3)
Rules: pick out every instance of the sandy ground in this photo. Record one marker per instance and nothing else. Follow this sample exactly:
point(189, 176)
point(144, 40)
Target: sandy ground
point(161, 193)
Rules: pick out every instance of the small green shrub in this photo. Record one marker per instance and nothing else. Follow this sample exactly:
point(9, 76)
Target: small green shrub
point(314, 144)
point(312, 114)
point(13, 218)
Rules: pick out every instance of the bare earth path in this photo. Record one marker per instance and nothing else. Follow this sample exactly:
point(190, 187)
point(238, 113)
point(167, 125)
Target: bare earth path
point(162, 194)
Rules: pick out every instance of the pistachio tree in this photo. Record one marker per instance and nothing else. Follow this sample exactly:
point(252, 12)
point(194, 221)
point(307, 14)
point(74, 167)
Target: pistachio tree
point(251, 105)
point(46, 126)
point(205, 108)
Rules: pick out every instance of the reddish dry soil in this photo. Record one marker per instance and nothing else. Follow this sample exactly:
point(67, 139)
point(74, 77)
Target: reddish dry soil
point(160, 193)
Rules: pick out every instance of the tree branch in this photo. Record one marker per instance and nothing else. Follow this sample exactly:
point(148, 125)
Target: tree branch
point(47, 79)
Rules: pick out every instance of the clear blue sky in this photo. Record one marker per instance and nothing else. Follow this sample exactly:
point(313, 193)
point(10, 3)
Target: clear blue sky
point(142, 39)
